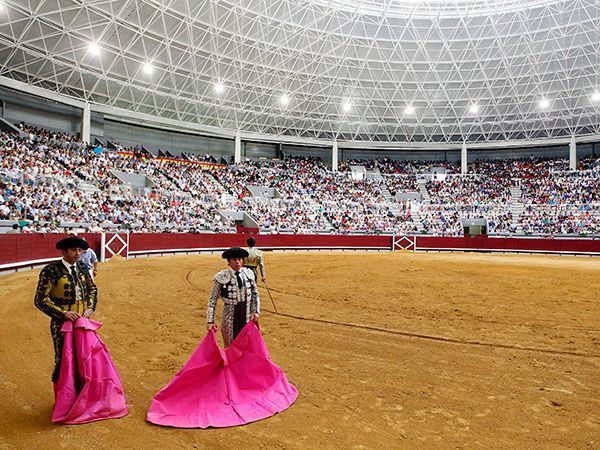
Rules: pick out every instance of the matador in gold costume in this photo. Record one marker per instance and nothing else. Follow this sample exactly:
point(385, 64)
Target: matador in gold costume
point(254, 260)
point(65, 291)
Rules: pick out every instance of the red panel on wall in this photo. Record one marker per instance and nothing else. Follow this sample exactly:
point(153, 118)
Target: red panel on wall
point(509, 244)
point(167, 241)
point(30, 247)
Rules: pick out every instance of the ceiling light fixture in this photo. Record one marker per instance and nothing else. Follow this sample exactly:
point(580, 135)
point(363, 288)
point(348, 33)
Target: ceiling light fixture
point(148, 68)
point(219, 88)
point(94, 49)
point(474, 108)
point(410, 109)
point(544, 103)
point(596, 96)
point(284, 100)
point(346, 107)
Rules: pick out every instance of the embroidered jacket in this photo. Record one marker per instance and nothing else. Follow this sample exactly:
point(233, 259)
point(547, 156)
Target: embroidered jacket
point(56, 289)
point(225, 285)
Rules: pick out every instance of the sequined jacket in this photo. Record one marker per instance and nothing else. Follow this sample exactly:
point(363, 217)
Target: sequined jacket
point(225, 286)
point(56, 289)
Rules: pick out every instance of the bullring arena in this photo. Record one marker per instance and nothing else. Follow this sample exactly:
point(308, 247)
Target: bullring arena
point(422, 176)
point(387, 350)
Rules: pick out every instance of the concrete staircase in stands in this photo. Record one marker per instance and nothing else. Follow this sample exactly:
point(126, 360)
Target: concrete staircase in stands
point(516, 207)
point(422, 184)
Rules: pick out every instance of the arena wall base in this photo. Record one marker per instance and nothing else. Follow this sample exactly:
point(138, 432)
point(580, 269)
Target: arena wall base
point(26, 251)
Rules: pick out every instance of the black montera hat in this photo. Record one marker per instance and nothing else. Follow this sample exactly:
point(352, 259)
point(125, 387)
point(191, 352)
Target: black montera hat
point(250, 242)
point(234, 252)
point(71, 242)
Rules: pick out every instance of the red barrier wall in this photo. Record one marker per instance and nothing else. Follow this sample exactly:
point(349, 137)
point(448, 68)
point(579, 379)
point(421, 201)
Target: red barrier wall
point(18, 250)
point(499, 244)
point(152, 242)
point(24, 248)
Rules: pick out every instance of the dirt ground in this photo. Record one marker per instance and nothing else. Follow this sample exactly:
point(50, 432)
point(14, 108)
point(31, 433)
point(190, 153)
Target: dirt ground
point(387, 350)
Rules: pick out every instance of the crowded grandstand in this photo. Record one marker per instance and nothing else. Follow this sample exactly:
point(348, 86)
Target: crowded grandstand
point(51, 181)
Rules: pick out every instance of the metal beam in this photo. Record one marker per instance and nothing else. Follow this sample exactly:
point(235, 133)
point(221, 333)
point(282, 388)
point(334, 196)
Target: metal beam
point(123, 115)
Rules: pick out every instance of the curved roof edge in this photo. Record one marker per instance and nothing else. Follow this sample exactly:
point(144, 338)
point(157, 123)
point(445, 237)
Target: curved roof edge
point(186, 127)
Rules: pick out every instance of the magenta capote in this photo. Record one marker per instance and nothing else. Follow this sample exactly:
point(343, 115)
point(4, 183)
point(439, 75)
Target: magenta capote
point(88, 387)
point(224, 387)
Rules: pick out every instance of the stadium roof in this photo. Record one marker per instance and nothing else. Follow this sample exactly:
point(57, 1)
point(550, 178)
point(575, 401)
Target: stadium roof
point(427, 71)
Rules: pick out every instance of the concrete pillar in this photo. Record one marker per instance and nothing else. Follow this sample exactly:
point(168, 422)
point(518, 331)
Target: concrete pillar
point(237, 157)
point(334, 157)
point(86, 123)
point(463, 158)
point(573, 154)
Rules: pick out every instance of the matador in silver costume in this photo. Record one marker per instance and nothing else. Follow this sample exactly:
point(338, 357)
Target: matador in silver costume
point(236, 286)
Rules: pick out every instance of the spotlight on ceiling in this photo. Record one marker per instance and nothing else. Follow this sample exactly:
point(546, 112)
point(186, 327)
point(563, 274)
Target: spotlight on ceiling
point(94, 49)
point(284, 100)
point(219, 88)
point(596, 96)
point(544, 103)
point(410, 109)
point(474, 108)
point(148, 68)
point(346, 107)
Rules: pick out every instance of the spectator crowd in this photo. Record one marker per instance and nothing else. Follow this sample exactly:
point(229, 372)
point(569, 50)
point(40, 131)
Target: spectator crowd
point(51, 180)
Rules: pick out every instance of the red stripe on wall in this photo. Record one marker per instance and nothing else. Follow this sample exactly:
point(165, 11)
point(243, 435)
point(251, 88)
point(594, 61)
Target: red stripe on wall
point(19, 248)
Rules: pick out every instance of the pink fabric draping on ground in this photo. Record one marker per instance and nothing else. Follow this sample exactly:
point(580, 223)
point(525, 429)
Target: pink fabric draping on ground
point(88, 387)
point(224, 387)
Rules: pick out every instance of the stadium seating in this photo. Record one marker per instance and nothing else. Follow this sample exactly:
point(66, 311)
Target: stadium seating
point(50, 180)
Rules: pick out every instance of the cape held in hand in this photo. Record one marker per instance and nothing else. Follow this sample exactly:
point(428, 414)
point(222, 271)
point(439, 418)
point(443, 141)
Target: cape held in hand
point(224, 387)
point(89, 387)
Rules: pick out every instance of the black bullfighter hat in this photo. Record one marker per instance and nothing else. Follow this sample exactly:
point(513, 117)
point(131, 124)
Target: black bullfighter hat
point(71, 242)
point(234, 252)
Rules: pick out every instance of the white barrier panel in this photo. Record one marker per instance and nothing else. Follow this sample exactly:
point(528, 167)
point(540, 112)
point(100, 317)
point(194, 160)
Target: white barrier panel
point(404, 243)
point(114, 244)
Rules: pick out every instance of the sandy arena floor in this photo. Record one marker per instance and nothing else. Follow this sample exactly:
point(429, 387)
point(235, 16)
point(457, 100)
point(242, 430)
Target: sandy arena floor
point(387, 350)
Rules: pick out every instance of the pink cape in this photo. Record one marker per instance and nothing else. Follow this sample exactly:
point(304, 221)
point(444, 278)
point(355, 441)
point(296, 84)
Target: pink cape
point(88, 387)
point(224, 387)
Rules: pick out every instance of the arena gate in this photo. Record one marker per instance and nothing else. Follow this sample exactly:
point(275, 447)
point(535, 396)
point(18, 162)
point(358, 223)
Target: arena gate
point(114, 244)
point(403, 242)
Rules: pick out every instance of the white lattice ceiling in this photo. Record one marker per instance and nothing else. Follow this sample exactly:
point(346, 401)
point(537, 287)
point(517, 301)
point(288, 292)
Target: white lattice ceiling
point(379, 57)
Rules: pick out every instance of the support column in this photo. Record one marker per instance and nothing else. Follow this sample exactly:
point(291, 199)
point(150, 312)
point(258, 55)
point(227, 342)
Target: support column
point(463, 158)
point(86, 121)
point(334, 157)
point(573, 154)
point(237, 157)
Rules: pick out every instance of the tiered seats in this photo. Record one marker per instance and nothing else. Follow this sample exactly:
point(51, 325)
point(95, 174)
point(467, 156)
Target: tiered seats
point(48, 179)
